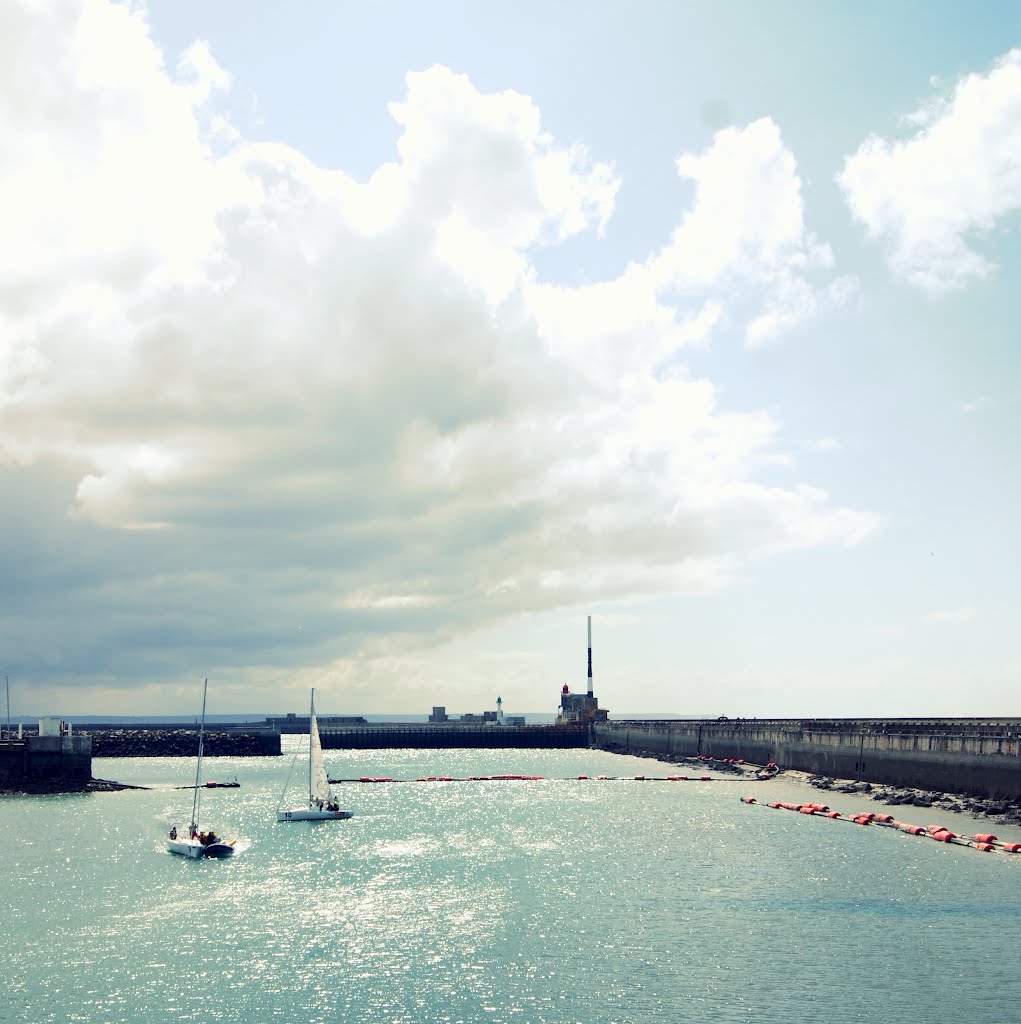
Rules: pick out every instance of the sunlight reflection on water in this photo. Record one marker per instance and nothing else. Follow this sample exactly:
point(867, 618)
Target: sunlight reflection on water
point(605, 903)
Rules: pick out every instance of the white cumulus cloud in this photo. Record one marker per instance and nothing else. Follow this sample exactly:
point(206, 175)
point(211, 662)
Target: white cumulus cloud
point(932, 197)
point(746, 235)
point(259, 415)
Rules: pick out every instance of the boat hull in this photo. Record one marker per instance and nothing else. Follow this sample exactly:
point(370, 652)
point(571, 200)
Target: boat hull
point(186, 848)
point(218, 850)
point(312, 814)
point(193, 849)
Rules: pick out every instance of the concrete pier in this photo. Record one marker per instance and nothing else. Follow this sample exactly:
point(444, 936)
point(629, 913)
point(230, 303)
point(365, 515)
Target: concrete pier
point(427, 735)
point(981, 757)
point(46, 757)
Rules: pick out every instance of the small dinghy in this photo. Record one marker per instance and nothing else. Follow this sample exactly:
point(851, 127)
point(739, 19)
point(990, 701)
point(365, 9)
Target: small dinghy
point(195, 842)
point(321, 804)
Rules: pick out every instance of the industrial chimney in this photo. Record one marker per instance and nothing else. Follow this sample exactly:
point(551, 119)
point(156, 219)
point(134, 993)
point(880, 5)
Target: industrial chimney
point(590, 656)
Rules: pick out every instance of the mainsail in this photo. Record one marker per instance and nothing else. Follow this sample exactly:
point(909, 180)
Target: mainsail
point(318, 781)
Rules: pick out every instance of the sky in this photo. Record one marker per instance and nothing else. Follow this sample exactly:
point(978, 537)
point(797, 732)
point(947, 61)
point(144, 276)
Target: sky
point(373, 347)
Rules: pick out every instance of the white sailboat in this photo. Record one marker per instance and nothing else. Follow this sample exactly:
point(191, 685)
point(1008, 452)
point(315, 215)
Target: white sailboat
point(194, 842)
point(321, 804)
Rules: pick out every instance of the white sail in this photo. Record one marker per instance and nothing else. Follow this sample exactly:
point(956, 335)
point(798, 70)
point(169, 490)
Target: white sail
point(318, 781)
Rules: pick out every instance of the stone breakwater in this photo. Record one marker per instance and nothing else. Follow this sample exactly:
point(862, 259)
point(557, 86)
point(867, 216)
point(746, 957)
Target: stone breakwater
point(183, 743)
point(1002, 810)
point(52, 786)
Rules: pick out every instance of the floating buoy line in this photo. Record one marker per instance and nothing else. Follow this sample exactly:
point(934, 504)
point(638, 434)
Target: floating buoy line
point(983, 841)
point(542, 778)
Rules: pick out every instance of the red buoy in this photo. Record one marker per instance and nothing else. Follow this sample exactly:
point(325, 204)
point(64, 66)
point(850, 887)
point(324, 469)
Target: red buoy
point(984, 837)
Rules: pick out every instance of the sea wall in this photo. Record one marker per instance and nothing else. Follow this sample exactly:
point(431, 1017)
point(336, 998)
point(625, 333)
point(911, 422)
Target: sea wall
point(385, 736)
point(184, 742)
point(980, 757)
point(46, 757)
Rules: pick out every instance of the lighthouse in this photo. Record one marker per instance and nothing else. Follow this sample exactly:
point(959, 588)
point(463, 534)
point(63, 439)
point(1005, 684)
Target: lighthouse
point(499, 710)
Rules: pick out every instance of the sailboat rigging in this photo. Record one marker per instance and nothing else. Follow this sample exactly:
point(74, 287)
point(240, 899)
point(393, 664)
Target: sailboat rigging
point(321, 804)
point(198, 843)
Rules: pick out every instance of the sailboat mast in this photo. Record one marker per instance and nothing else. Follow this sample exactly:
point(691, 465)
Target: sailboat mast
point(198, 764)
point(311, 719)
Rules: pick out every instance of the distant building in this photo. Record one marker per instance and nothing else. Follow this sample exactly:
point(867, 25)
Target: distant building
point(497, 717)
point(579, 708)
point(472, 719)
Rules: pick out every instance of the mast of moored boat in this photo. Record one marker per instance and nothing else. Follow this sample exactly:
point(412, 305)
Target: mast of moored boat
point(198, 764)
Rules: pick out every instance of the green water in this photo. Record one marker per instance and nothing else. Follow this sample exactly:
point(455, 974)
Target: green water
point(518, 902)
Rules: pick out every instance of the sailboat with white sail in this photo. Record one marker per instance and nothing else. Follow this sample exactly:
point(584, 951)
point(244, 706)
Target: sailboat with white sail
point(321, 804)
point(194, 842)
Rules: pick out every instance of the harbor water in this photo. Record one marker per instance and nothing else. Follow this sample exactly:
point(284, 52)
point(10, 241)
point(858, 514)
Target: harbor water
point(547, 901)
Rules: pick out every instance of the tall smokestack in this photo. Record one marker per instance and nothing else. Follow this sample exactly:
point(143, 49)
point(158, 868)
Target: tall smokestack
point(590, 655)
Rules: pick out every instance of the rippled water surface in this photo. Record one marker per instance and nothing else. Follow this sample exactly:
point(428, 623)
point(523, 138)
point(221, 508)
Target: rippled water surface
point(541, 901)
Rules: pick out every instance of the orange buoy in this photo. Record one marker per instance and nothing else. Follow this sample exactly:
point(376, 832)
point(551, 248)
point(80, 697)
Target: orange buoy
point(985, 847)
point(1011, 847)
point(984, 837)
point(833, 814)
point(705, 778)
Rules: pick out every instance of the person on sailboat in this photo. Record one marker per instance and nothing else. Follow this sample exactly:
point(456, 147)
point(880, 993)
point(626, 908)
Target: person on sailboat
point(173, 832)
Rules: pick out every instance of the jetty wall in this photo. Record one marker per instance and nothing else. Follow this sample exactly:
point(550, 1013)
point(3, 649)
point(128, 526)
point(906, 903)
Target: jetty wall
point(432, 735)
point(46, 757)
point(979, 757)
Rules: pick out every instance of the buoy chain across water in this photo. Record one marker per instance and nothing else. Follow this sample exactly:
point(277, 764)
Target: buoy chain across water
point(984, 841)
point(540, 778)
